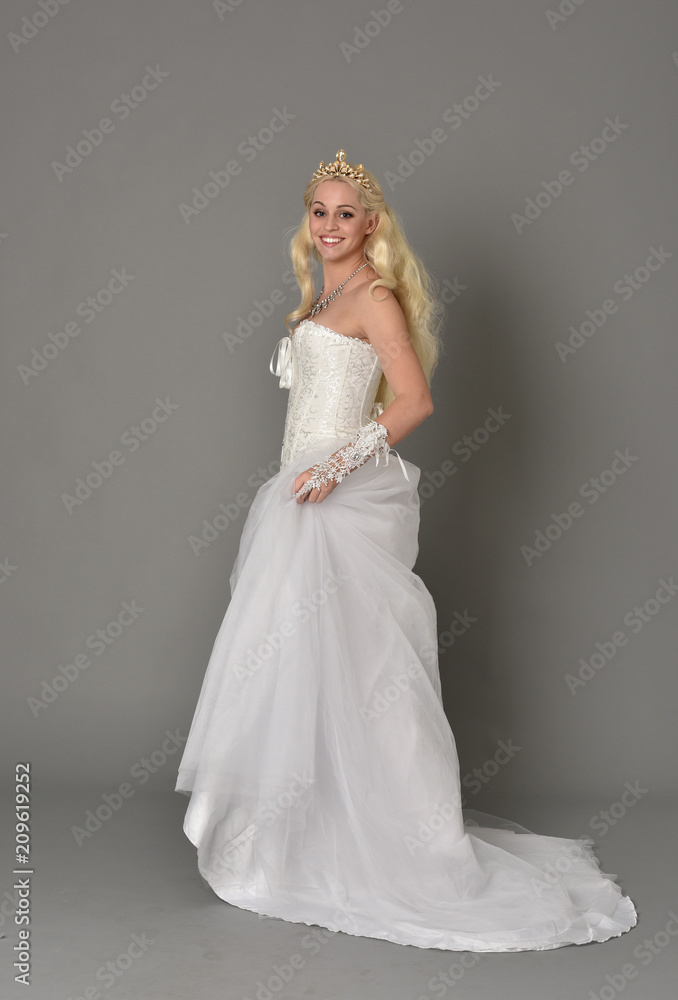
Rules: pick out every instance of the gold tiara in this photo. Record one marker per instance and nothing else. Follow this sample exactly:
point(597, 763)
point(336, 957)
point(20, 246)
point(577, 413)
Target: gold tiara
point(340, 168)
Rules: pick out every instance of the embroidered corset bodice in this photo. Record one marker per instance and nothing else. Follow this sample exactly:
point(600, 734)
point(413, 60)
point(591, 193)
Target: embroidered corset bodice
point(332, 379)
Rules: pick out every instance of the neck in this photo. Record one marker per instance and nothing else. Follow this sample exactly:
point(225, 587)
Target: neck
point(334, 272)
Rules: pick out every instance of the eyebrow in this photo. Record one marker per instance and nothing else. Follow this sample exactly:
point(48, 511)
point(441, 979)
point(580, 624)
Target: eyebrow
point(317, 202)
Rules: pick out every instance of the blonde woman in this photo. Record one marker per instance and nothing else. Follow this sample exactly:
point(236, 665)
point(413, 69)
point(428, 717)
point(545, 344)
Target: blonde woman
point(322, 772)
point(388, 304)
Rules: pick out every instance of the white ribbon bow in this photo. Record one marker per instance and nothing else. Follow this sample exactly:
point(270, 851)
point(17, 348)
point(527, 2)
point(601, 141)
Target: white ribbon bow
point(283, 365)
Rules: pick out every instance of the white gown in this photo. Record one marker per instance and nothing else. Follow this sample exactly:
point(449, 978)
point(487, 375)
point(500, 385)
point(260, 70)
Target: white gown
point(322, 771)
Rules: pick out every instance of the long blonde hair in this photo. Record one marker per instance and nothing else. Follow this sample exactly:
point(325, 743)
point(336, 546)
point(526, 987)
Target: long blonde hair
point(398, 266)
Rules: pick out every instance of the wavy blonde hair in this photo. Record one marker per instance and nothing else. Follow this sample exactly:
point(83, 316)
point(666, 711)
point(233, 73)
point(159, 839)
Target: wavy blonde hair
point(398, 266)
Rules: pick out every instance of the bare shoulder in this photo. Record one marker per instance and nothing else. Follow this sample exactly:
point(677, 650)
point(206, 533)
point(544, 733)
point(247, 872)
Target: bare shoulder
point(376, 317)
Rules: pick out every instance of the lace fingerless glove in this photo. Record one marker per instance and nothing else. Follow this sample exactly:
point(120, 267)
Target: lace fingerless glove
point(371, 440)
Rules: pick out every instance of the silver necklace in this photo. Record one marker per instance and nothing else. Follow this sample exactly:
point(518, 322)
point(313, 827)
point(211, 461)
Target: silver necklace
point(318, 304)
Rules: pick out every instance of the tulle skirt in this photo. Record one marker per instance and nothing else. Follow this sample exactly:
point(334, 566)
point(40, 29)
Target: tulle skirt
point(322, 771)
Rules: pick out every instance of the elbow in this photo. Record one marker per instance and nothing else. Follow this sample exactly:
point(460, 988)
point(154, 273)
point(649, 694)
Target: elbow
point(418, 407)
point(426, 407)
point(421, 407)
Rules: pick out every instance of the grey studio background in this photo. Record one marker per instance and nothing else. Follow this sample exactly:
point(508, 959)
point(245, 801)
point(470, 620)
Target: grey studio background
point(155, 156)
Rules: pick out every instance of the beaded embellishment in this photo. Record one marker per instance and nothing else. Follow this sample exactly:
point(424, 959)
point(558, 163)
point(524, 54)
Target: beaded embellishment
point(371, 440)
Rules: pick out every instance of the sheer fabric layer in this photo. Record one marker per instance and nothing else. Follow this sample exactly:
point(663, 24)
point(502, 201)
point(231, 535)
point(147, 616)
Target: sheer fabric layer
point(322, 771)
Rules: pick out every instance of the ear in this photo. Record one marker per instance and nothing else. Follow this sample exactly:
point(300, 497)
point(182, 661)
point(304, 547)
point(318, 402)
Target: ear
point(373, 224)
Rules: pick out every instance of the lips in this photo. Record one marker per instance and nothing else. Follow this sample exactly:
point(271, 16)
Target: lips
point(331, 241)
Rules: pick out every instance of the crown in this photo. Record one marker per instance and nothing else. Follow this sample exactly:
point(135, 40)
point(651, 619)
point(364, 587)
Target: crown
point(340, 168)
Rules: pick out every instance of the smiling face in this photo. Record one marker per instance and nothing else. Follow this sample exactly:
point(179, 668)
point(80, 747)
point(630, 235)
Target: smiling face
point(338, 222)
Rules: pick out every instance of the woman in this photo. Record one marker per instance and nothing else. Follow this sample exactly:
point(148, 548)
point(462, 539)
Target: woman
point(343, 230)
point(322, 770)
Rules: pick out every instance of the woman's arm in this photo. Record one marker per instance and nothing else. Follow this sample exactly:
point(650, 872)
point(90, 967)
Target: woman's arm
point(384, 324)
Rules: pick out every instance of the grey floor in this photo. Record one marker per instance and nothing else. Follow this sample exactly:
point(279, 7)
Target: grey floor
point(130, 895)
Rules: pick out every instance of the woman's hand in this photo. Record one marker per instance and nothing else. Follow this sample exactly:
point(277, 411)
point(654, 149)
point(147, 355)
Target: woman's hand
point(315, 495)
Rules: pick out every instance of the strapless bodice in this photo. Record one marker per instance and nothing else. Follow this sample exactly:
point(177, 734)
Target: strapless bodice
point(332, 379)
